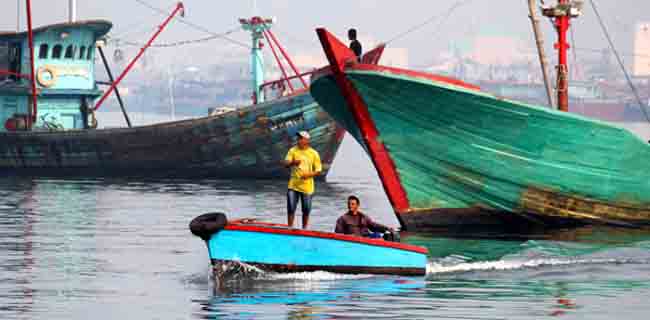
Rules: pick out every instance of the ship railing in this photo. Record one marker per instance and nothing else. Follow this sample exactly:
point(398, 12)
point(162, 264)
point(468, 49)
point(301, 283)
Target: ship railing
point(280, 88)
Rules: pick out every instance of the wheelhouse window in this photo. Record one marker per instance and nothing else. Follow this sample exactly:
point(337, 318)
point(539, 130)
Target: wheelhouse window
point(9, 60)
point(82, 52)
point(4, 60)
point(69, 52)
point(56, 51)
point(90, 53)
point(43, 51)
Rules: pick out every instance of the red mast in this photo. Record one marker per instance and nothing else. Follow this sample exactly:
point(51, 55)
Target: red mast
point(30, 34)
point(562, 14)
point(562, 24)
point(179, 8)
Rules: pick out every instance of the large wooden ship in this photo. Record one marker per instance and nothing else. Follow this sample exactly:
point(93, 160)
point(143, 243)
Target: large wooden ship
point(48, 95)
point(453, 157)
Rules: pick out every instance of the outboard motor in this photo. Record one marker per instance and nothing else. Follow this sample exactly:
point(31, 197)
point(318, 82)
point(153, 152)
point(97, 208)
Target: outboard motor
point(205, 225)
point(392, 236)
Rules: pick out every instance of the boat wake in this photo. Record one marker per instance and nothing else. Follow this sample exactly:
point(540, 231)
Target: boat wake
point(235, 270)
point(318, 276)
point(436, 268)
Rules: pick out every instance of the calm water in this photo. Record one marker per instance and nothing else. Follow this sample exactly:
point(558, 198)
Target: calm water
point(121, 249)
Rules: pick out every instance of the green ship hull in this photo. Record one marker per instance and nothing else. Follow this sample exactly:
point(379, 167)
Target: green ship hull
point(457, 153)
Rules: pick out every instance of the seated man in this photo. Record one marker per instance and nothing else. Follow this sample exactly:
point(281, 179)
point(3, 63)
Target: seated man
point(356, 223)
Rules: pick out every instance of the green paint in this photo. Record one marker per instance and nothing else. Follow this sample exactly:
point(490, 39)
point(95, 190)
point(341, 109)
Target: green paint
point(457, 148)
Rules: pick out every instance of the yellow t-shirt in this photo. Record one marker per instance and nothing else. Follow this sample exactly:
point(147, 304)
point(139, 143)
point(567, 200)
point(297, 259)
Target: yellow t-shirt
point(309, 162)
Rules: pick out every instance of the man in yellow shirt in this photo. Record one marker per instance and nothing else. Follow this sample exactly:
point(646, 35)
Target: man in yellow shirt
point(305, 165)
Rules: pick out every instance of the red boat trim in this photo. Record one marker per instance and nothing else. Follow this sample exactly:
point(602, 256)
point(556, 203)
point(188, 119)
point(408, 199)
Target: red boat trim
point(413, 74)
point(263, 228)
point(373, 56)
point(339, 55)
point(289, 268)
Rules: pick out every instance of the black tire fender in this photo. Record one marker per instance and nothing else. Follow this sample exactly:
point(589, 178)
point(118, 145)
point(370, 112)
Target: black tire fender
point(205, 225)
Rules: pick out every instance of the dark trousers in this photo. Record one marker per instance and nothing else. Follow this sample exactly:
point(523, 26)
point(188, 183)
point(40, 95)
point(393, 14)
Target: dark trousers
point(293, 197)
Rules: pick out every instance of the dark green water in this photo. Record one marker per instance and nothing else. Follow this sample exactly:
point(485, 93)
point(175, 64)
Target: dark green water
point(120, 249)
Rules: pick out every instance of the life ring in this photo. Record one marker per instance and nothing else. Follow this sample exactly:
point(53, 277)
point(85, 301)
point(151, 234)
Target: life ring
point(42, 80)
point(205, 225)
point(93, 119)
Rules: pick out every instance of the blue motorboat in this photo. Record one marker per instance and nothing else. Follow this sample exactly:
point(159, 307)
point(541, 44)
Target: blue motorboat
point(279, 248)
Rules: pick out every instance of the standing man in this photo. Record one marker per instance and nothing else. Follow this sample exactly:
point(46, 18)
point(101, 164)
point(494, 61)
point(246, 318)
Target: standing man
point(355, 45)
point(305, 165)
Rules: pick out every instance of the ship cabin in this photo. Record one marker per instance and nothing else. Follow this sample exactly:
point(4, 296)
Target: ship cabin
point(65, 77)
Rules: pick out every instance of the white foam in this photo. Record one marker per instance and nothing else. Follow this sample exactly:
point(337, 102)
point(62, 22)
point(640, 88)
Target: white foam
point(250, 271)
point(317, 276)
point(438, 268)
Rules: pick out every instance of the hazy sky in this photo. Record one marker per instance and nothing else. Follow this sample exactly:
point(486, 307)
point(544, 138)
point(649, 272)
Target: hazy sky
point(375, 19)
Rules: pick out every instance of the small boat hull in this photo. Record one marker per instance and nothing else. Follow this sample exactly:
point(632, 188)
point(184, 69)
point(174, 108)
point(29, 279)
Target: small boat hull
point(277, 248)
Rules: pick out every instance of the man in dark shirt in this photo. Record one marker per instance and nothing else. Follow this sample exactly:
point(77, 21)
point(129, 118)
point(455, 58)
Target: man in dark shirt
point(355, 45)
point(356, 223)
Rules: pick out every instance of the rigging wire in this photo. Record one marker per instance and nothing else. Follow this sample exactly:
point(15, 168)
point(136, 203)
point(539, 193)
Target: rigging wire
point(288, 35)
point(433, 18)
point(629, 54)
point(139, 27)
point(436, 35)
point(574, 54)
point(620, 61)
point(195, 26)
point(182, 42)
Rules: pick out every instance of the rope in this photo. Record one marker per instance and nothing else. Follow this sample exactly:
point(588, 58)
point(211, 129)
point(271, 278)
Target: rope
point(139, 27)
point(182, 42)
point(629, 54)
point(195, 26)
point(435, 17)
point(573, 53)
point(620, 61)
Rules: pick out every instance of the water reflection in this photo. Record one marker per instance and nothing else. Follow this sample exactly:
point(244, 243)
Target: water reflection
point(120, 248)
point(400, 298)
point(291, 297)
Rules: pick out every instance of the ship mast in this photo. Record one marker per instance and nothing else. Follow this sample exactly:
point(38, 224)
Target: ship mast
point(539, 40)
point(257, 27)
point(18, 15)
point(562, 14)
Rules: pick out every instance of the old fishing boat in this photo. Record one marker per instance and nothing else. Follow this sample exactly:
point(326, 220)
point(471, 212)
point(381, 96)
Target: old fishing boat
point(451, 156)
point(278, 248)
point(49, 126)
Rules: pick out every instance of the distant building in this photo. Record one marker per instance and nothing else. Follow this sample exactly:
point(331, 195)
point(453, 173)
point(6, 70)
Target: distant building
point(641, 66)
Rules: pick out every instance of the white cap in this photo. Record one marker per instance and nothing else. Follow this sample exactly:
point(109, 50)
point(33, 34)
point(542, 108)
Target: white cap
point(304, 134)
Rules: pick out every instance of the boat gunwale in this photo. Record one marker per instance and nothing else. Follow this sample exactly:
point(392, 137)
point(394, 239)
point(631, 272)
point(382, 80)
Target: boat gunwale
point(158, 125)
point(459, 86)
point(388, 71)
point(283, 230)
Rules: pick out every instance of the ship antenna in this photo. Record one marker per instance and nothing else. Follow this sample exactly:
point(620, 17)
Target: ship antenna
point(561, 15)
point(17, 15)
point(72, 8)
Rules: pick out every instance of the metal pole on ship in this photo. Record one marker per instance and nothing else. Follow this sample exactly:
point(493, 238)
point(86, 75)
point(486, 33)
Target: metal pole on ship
point(562, 24)
point(539, 40)
point(561, 15)
point(72, 14)
point(18, 15)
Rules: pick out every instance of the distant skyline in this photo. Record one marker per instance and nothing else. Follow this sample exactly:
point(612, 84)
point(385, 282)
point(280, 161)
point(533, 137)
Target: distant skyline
point(376, 21)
